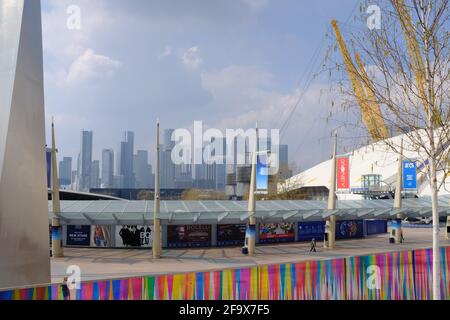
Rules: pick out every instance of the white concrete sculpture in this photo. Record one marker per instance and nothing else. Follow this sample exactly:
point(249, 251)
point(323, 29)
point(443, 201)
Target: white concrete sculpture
point(24, 228)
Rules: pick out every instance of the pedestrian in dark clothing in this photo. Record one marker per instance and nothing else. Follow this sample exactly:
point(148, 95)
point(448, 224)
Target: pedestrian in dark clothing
point(313, 245)
point(65, 289)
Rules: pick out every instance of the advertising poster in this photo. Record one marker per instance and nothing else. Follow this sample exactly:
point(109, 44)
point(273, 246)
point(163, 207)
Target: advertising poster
point(262, 176)
point(343, 173)
point(376, 226)
point(409, 175)
point(100, 236)
point(78, 236)
point(349, 229)
point(184, 236)
point(276, 232)
point(134, 236)
point(231, 234)
point(311, 230)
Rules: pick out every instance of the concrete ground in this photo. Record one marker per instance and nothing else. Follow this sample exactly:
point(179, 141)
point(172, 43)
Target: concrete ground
point(120, 263)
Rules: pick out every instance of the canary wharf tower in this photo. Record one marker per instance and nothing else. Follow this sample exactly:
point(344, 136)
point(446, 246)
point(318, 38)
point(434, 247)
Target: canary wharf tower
point(24, 230)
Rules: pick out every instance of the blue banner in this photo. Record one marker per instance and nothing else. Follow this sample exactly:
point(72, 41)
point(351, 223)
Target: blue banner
point(78, 236)
point(409, 175)
point(262, 176)
point(56, 233)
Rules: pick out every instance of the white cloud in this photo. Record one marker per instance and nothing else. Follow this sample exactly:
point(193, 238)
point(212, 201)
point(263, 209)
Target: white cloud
point(191, 58)
point(90, 65)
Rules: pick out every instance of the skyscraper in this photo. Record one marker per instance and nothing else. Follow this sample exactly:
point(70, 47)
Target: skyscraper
point(95, 174)
point(142, 170)
point(167, 165)
point(85, 161)
point(65, 171)
point(126, 159)
point(284, 172)
point(107, 180)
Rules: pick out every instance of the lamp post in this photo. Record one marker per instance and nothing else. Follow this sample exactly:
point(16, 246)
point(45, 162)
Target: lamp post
point(156, 246)
point(331, 223)
point(251, 239)
point(57, 249)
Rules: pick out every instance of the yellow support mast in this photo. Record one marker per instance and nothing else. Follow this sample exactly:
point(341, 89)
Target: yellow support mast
point(415, 54)
point(372, 101)
point(370, 110)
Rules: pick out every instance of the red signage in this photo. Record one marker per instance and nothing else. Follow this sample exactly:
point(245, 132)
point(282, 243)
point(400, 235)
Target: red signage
point(343, 173)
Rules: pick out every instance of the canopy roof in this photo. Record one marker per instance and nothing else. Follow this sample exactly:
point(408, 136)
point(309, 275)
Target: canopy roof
point(121, 212)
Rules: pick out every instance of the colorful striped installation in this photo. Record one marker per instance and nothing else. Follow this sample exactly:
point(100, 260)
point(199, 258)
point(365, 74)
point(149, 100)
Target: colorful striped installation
point(53, 292)
point(230, 284)
point(388, 276)
point(423, 273)
point(122, 289)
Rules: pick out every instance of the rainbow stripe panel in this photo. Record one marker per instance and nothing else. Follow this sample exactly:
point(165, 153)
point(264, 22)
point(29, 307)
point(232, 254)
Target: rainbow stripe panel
point(388, 276)
point(53, 292)
point(123, 289)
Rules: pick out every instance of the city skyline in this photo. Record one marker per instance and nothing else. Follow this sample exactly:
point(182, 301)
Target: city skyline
point(87, 172)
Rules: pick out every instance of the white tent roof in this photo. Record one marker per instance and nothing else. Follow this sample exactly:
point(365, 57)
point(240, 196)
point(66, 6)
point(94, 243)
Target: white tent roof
point(115, 212)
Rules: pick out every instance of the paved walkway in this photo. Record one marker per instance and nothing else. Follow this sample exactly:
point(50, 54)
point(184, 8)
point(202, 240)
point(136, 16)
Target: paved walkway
point(119, 263)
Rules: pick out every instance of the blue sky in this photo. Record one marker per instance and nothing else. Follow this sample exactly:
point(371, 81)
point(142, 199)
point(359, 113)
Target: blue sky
point(228, 63)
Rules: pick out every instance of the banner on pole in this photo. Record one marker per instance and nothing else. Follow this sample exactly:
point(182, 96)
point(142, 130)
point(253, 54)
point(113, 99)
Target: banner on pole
point(343, 173)
point(409, 175)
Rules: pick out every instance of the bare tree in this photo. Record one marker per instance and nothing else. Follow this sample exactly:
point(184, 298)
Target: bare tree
point(403, 67)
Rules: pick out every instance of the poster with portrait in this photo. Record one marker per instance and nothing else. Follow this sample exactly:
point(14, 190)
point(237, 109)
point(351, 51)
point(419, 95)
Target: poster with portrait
point(101, 236)
point(185, 236)
point(276, 232)
point(231, 234)
point(134, 236)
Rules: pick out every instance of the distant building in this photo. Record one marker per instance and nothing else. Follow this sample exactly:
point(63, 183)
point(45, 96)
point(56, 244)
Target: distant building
point(167, 166)
point(95, 174)
point(126, 159)
point(107, 179)
point(118, 182)
point(140, 194)
point(142, 170)
point(284, 172)
point(65, 171)
point(85, 161)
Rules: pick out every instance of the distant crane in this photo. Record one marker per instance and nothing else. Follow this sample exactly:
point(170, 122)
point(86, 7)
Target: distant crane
point(370, 109)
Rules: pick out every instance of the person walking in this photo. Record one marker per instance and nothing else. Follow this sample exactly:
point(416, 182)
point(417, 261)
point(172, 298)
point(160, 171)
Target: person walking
point(313, 245)
point(65, 289)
